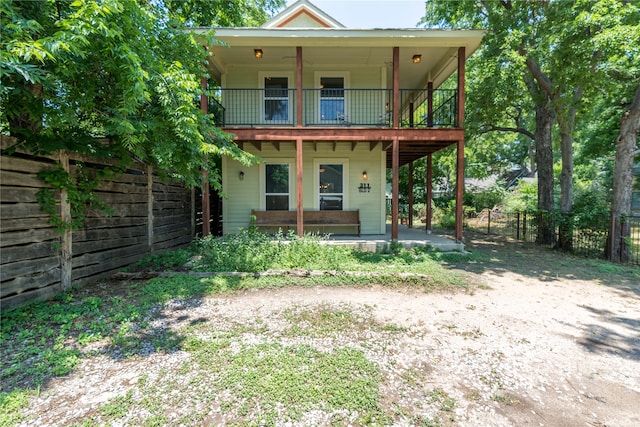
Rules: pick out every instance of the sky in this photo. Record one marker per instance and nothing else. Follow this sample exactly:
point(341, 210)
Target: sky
point(373, 13)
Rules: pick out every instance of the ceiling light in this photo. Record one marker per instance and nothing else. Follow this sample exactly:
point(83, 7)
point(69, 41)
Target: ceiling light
point(257, 53)
point(416, 58)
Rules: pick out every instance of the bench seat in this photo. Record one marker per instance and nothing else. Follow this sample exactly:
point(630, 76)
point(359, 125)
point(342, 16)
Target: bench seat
point(288, 219)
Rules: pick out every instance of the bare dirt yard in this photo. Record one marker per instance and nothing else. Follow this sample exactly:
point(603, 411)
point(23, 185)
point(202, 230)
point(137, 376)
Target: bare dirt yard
point(542, 339)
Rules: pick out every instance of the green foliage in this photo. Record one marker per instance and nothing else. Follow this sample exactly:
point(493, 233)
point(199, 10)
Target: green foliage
point(115, 79)
point(80, 194)
point(11, 405)
point(165, 260)
point(588, 57)
point(252, 251)
point(524, 198)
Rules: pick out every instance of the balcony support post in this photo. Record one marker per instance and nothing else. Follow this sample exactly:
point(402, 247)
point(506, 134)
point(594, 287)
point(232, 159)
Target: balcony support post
point(460, 147)
point(430, 104)
point(429, 192)
point(299, 86)
point(395, 165)
point(206, 208)
point(461, 72)
point(410, 211)
point(396, 87)
point(299, 207)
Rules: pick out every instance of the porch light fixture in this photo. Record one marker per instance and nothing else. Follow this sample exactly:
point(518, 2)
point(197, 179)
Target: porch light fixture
point(257, 53)
point(241, 176)
point(416, 58)
point(365, 176)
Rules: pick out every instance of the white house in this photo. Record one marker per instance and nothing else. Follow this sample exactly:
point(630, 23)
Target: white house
point(328, 109)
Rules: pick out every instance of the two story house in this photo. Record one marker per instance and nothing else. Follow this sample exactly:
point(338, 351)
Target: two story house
point(328, 110)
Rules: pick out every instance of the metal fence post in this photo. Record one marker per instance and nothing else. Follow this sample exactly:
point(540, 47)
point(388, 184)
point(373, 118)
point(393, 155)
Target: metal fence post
point(518, 226)
point(489, 223)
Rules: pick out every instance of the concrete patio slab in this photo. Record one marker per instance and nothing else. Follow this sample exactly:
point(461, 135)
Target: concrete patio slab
point(407, 237)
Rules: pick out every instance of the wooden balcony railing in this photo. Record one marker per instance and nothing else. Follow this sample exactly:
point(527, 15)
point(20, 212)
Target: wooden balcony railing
point(234, 107)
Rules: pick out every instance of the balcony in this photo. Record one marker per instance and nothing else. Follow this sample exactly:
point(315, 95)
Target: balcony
point(369, 108)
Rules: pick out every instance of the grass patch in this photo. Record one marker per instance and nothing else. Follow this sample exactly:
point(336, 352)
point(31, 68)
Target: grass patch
point(300, 379)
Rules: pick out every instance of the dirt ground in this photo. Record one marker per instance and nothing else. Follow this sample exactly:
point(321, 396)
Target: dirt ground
point(544, 340)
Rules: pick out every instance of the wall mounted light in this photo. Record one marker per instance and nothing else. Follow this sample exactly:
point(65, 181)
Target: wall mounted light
point(241, 176)
point(416, 58)
point(365, 176)
point(257, 53)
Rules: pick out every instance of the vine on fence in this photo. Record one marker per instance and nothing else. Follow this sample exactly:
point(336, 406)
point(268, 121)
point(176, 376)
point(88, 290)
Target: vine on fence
point(80, 194)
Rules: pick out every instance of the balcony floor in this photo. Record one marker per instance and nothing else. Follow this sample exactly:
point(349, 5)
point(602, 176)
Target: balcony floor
point(407, 237)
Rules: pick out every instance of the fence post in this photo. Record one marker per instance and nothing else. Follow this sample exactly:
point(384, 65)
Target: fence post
point(489, 223)
point(518, 226)
point(524, 225)
point(66, 243)
point(150, 207)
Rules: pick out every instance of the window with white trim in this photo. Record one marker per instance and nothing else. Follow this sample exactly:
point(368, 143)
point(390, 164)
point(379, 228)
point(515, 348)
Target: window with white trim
point(277, 190)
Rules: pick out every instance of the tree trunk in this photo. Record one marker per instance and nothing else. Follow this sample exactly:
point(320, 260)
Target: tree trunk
point(544, 157)
point(545, 116)
point(566, 123)
point(617, 249)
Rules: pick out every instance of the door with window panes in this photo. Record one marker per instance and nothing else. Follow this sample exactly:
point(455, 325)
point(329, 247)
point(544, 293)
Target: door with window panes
point(276, 100)
point(332, 102)
point(331, 191)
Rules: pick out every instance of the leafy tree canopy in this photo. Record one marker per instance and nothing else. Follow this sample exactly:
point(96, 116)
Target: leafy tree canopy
point(116, 78)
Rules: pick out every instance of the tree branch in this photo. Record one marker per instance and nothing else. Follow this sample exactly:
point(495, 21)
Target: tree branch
point(541, 78)
point(519, 130)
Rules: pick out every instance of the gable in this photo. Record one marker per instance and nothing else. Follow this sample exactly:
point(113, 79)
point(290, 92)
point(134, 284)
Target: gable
point(302, 14)
point(303, 19)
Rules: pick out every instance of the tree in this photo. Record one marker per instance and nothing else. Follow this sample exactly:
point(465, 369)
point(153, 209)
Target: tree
point(117, 79)
point(553, 45)
point(626, 144)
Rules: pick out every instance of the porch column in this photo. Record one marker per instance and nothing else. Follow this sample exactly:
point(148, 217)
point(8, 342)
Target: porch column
point(206, 209)
point(461, 71)
point(430, 104)
point(410, 213)
point(300, 211)
point(429, 192)
point(395, 162)
point(396, 88)
point(395, 150)
point(299, 86)
point(460, 147)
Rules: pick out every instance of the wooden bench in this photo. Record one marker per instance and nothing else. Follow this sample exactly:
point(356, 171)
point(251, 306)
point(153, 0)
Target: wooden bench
point(322, 219)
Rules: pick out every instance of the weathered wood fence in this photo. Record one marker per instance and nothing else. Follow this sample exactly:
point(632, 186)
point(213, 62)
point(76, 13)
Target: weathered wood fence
point(37, 262)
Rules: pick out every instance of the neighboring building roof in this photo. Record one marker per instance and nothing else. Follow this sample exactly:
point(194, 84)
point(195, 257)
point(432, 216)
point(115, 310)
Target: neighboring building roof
point(302, 14)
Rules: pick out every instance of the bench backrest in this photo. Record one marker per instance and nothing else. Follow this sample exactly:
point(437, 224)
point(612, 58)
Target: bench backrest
point(274, 217)
point(310, 217)
point(332, 217)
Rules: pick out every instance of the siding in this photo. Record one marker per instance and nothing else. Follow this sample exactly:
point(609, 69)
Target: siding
point(242, 196)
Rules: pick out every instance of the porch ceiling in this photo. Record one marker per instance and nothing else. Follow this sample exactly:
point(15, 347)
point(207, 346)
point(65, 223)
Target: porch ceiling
point(346, 49)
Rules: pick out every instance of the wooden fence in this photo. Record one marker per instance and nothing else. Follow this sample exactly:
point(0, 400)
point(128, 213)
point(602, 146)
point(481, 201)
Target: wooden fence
point(36, 262)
